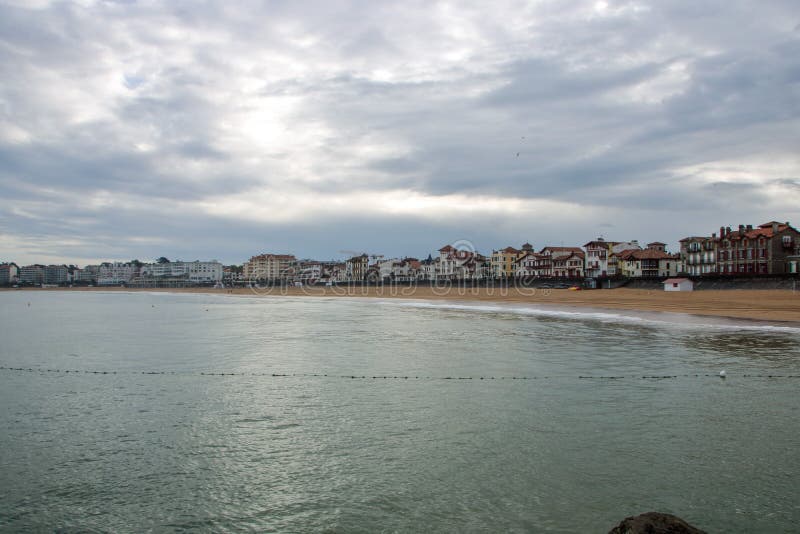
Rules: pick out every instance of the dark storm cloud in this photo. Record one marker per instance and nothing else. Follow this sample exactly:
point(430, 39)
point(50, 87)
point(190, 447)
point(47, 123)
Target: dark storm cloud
point(124, 119)
point(36, 167)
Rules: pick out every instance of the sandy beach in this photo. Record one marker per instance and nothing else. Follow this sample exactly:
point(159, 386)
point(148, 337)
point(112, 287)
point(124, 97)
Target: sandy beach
point(762, 305)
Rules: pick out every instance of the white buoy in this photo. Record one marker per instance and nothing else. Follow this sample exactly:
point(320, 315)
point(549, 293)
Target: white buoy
point(723, 374)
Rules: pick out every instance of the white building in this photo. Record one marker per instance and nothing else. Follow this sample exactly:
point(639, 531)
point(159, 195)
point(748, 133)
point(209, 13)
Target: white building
point(32, 274)
point(192, 271)
point(654, 261)
point(531, 264)
point(678, 284)
point(9, 273)
point(428, 269)
point(88, 274)
point(394, 269)
point(458, 264)
point(311, 273)
point(337, 272)
point(699, 255)
point(602, 256)
point(116, 273)
point(56, 274)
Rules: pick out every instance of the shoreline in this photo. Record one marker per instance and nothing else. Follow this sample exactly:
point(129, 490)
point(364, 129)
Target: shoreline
point(780, 306)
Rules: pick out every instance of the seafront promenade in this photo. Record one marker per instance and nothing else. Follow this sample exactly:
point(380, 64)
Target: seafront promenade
point(760, 305)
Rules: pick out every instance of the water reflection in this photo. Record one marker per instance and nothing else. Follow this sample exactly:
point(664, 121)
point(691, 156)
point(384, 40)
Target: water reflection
point(762, 347)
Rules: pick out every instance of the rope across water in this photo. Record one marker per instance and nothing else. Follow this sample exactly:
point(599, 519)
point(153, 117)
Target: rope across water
point(382, 377)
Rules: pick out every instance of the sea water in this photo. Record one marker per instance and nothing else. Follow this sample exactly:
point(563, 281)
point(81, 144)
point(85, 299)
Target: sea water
point(137, 412)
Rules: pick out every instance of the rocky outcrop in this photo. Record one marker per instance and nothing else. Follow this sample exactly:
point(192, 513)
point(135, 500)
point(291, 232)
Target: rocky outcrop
point(654, 523)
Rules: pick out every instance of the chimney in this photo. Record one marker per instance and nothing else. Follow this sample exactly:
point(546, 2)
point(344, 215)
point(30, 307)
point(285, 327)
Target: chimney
point(728, 231)
point(749, 227)
point(741, 228)
point(714, 235)
point(721, 232)
point(774, 227)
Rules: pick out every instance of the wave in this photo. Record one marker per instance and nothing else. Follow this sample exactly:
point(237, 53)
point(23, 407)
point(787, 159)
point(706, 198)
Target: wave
point(656, 319)
point(650, 318)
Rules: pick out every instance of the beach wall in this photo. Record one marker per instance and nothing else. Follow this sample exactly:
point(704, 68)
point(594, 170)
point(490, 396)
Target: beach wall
point(716, 282)
point(791, 282)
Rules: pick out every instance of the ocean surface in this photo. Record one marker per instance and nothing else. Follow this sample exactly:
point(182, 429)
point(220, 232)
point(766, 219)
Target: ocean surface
point(157, 412)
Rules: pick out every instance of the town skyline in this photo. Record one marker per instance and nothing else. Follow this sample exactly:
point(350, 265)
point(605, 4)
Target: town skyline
point(770, 248)
point(343, 254)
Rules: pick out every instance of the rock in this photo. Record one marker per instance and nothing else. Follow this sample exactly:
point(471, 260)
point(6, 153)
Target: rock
point(654, 523)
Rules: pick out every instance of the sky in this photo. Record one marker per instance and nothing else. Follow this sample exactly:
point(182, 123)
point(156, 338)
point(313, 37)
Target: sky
point(221, 130)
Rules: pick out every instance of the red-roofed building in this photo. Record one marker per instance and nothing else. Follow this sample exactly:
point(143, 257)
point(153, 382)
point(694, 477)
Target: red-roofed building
point(530, 264)
point(564, 262)
point(459, 264)
point(654, 261)
point(762, 250)
point(602, 256)
point(569, 265)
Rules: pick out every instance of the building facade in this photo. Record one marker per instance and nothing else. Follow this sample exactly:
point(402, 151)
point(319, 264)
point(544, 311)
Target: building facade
point(761, 250)
point(564, 262)
point(192, 271)
point(89, 274)
point(56, 274)
point(569, 265)
point(32, 274)
point(652, 262)
point(9, 273)
point(456, 264)
point(357, 268)
point(270, 267)
point(116, 273)
point(699, 255)
point(602, 257)
point(503, 262)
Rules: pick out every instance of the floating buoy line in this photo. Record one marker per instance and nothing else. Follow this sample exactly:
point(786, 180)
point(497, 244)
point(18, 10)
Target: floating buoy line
point(383, 377)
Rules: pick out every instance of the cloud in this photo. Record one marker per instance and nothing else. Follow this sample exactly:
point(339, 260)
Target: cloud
point(222, 129)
